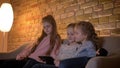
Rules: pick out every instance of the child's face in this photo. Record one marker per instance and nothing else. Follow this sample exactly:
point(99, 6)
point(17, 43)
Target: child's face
point(47, 27)
point(70, 34)
point(79, 36)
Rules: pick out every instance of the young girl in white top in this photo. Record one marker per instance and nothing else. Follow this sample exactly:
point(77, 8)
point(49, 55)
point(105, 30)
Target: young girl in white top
point(69, 47)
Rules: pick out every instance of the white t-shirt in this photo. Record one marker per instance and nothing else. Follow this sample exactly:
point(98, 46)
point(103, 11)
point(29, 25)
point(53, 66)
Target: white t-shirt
point(67, 51)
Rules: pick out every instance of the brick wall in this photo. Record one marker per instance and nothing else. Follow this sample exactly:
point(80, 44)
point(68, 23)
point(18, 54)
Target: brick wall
point(103, 14)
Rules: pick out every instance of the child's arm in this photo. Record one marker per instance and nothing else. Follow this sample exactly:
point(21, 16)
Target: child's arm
point(89, 47)
point(25, 53)
point(57, 62)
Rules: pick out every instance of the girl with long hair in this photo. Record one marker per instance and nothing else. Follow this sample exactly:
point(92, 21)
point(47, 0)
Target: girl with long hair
point(46, 45)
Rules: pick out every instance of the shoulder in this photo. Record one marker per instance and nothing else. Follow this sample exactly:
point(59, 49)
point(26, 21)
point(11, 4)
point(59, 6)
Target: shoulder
point(88, 44)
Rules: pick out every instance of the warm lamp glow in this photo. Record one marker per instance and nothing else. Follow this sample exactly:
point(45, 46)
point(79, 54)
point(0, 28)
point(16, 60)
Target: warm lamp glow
point(6, 17)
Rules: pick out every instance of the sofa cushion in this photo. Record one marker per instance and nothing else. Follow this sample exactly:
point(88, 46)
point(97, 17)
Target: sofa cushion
point(111, 44)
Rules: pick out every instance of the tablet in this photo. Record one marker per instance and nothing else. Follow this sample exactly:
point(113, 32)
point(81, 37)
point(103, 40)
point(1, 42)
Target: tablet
point(47, 59)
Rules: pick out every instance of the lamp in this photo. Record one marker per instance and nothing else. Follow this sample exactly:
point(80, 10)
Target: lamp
point(6, 20)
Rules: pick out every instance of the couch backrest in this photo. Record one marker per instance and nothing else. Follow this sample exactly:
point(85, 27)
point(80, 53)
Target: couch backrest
point(112, 44)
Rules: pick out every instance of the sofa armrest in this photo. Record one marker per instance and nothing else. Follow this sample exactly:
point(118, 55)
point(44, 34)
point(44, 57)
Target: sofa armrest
point(104, 62)
point(13, 54)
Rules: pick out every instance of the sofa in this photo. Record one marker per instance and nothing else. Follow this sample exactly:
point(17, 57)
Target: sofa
point(12, 54)
point(110, 43)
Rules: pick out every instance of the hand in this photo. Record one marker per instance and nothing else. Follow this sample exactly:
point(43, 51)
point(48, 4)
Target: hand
point(57, 62)
point(20, 56)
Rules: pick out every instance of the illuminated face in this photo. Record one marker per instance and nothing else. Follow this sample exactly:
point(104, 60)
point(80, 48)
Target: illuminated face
point(79, 35)
point(70, 34)
point(47, 27)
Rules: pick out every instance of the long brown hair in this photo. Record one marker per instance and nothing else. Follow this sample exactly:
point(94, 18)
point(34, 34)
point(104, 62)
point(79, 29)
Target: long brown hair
point(88, 29)
point(54, 38)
